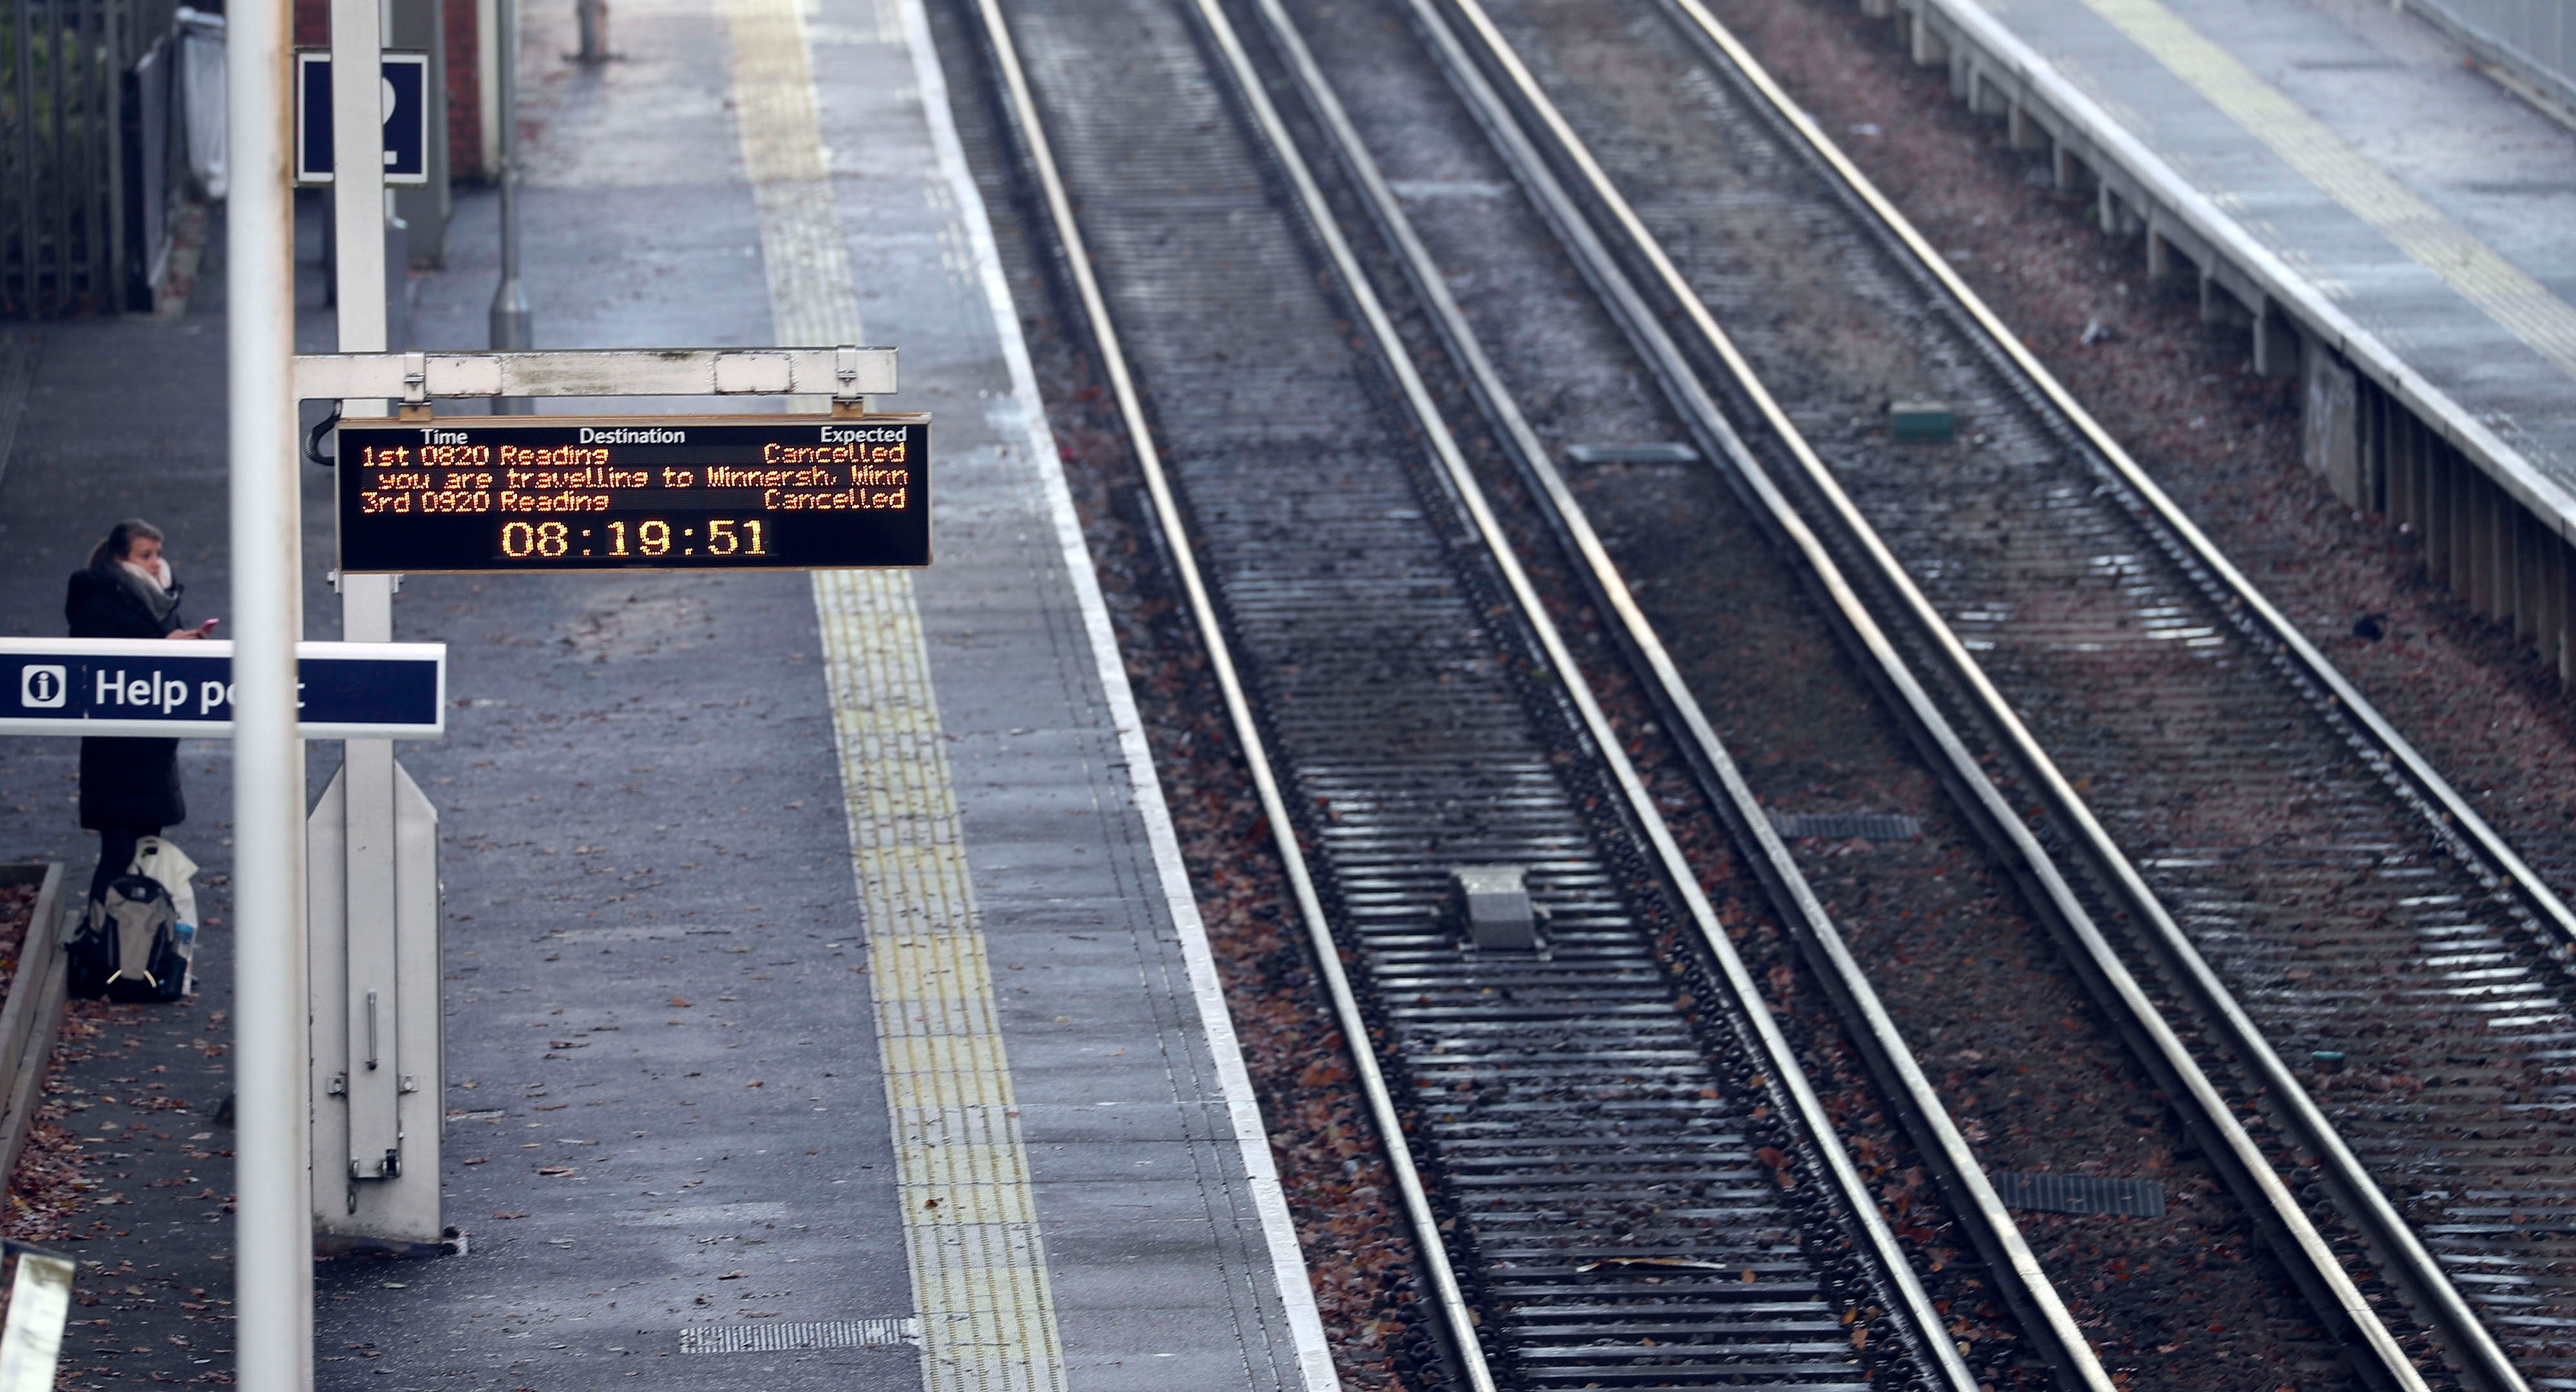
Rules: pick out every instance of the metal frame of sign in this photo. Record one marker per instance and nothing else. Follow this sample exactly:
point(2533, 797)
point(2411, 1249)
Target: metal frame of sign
point(141, 649)
point(593, 552)
point(309, 57)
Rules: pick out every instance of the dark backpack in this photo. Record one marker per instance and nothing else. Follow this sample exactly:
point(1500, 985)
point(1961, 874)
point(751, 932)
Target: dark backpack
point(128, 947)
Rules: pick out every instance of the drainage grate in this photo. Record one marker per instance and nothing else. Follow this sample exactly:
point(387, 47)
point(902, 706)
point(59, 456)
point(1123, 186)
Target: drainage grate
point(1660, 453)
point(817, 1334)
point(2055, 1193)
point(1843, 826)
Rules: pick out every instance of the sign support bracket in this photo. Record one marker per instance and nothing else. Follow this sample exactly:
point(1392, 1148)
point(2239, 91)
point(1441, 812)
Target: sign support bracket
point(846, 374)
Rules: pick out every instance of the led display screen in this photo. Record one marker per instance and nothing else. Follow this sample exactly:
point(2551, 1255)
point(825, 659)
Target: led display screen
point(505, 493)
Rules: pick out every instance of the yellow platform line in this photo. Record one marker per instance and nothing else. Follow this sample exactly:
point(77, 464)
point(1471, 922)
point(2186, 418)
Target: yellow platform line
point(811, 301)
point(971, 1237)
point(978, 1263)
point(2513, 299)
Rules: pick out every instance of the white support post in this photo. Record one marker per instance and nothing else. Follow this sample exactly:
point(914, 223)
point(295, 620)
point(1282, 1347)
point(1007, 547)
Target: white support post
point(363, 1147)
point(358, 174)
point(273, 1247)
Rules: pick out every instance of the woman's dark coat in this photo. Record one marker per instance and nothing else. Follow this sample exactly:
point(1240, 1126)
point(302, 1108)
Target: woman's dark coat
point(127, 783)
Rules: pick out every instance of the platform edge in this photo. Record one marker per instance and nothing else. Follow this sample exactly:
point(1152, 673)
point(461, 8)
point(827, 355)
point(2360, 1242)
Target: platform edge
point(1252, 1141)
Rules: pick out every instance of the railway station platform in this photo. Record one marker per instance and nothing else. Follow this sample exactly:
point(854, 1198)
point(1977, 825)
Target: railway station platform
point(825, 1001)
point(2380, 208)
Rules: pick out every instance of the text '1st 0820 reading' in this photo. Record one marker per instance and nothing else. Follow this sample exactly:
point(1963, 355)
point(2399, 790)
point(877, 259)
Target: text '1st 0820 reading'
point(671, 493)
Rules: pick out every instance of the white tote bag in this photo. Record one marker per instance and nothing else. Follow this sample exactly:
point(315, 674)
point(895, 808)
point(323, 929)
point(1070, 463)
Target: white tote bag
point(160, 860)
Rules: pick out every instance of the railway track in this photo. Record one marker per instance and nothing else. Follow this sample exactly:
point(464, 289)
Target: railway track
point(1379, 642)
point(2310, 888)
point(1615, 1167)
point(2166, 1056)
point(2274, 831)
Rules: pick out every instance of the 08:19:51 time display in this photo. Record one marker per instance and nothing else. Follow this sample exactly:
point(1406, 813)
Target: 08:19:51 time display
point(648, 538)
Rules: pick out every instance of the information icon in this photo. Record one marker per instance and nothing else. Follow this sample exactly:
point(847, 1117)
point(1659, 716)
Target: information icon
point(42, 687)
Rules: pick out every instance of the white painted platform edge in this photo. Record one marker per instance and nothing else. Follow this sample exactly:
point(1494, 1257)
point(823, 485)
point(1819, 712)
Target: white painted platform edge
point(2316, 314)
point(1252, 1139)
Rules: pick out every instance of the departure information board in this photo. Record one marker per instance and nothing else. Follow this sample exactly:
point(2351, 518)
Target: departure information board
point(509, 493)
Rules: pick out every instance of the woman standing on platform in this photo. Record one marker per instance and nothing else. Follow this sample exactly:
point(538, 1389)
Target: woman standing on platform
point(129, 788)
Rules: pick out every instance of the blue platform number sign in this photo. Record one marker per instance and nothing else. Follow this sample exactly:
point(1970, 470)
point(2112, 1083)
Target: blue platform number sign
point(406, 107)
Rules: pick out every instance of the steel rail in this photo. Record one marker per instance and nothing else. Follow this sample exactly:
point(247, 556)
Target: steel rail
point(2456, 815)
point(2025, 1285)
point(2161, 1048)
point(1455, 1314)
point(2297, 1112)
point(1930, 1333)
point(2468, 1338)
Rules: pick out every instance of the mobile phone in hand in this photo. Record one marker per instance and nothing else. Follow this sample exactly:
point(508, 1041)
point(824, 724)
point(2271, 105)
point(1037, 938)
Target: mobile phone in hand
point(207, 629)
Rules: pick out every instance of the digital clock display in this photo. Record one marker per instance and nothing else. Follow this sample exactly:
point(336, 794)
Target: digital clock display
point(501, 493)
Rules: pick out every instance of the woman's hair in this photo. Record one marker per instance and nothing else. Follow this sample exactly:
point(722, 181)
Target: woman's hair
point(121, 539)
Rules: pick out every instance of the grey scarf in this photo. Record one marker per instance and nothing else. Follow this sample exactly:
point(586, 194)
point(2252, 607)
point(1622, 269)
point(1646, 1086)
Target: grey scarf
point(160, 603)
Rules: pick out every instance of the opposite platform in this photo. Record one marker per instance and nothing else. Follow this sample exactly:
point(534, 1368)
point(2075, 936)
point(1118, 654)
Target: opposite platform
point(2382, 217)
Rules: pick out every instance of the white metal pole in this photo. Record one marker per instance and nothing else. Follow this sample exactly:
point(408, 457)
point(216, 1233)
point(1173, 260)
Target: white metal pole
point(273, 1239)
point(358, 205)
point(513, 325)
point(359, 1137)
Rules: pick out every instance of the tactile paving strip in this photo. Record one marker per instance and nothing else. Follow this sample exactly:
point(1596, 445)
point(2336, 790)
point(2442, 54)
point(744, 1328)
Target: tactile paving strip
point(978, 1266)
point(811, 300)
point(2525, 307)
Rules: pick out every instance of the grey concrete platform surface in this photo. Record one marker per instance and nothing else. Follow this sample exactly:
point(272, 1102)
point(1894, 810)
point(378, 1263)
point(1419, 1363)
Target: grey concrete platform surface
point(826, 1005)
point(2382, 94)
point(764, 1186)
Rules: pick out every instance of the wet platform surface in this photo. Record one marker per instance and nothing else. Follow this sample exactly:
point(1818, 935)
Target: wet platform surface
point(823, 1003)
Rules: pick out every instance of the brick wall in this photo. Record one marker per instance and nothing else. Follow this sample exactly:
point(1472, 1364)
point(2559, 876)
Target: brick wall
point(464, 76)
point(464, 91)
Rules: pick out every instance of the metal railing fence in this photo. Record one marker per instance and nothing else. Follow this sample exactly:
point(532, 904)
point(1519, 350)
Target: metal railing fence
point(73, 101)
point(2533, 39)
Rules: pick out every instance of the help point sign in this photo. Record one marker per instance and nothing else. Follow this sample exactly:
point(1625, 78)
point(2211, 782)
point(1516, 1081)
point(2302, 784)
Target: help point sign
point(121, 686)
